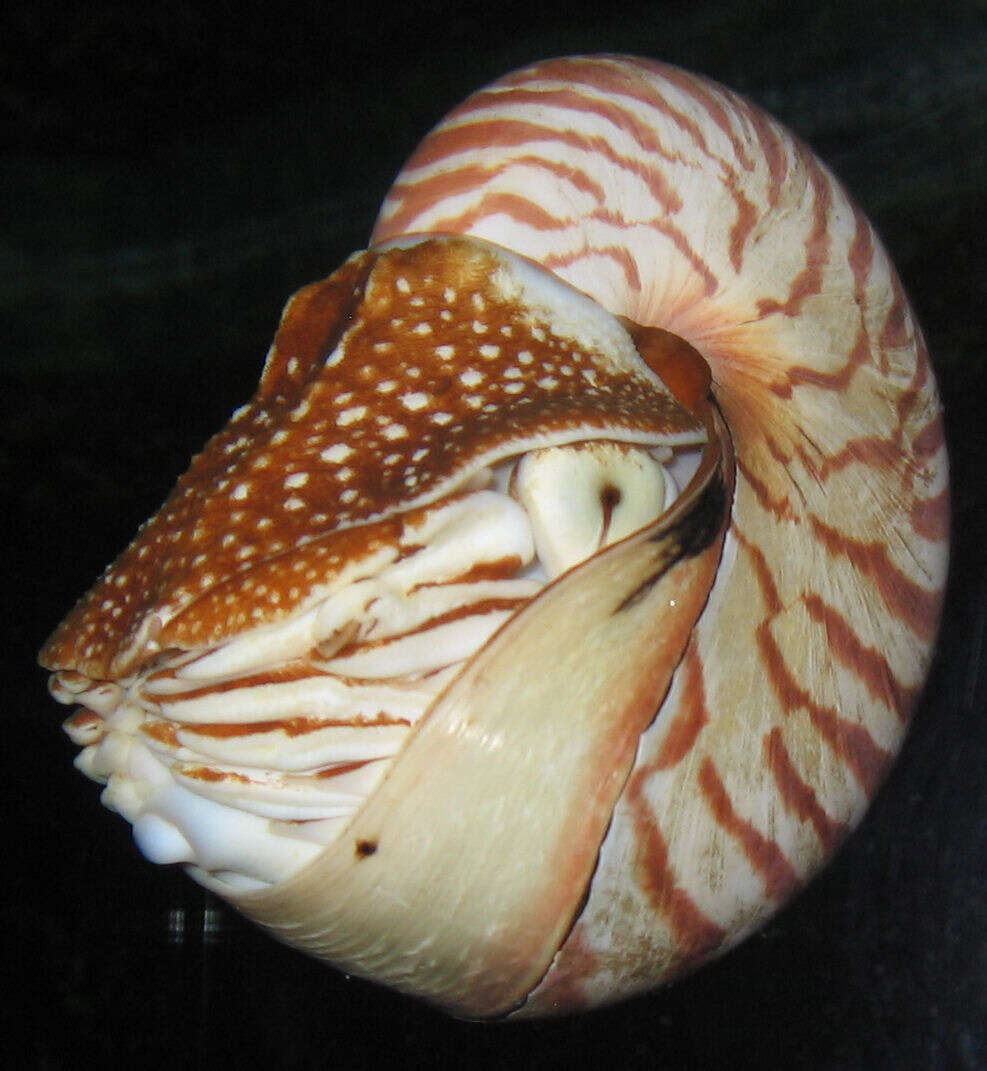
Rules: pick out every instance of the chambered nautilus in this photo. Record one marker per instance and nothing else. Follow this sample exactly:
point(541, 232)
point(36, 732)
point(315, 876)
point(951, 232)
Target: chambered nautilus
point(560, 599)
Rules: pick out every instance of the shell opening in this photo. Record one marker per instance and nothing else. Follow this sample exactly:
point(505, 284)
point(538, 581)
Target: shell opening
point(244, 759)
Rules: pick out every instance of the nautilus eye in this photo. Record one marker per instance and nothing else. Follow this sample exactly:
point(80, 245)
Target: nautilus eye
point(558, 601)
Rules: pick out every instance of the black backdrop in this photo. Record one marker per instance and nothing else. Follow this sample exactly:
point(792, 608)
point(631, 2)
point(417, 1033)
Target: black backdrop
point(169, 179)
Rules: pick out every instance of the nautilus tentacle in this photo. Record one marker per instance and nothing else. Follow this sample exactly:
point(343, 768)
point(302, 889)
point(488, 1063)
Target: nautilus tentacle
point(451, 660)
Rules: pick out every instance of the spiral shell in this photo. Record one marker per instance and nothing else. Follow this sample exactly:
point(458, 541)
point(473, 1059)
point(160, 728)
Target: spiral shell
point(499, 706)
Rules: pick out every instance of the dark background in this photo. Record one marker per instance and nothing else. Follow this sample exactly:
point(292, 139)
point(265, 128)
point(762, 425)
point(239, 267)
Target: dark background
point(168, 179)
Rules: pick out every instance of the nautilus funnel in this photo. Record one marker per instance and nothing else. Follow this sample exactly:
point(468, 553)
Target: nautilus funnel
point(559, 600)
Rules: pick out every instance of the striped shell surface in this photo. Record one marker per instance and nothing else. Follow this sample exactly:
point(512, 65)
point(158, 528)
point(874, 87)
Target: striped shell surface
point(560, 600)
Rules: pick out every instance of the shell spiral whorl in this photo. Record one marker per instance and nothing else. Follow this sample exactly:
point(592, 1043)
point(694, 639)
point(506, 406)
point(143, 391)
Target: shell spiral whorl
point(676, 203)
point(627, 765)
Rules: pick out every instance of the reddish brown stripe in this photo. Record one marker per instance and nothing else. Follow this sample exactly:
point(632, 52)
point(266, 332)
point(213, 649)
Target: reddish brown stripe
point(693, 88)
point(501, 569)
point(839, 380)
point(519, 133)
point(290, 726)
point(163, 731)
point(765, 580)
point(507, 204)
point(290, 671)
point(780, 507)
point(916, 393)
point(207, 773)
point(607, 78)
point(870, 450)
point(776, 451)
point(852, 743)
point(574, 101)
point(747, 216)
point(703, 93)
point(507, 132)
point(620, 255)
point(692, 714)
point(746, 212)
point(710, 282)
point(343, 768)
point(764, 854)
point(604, 76)
point(865, 662)
point(623, 257)
point(915, 606)
point(695, 933)
point(905, 404)
point(931, 439)
point(930, 517)
point(799, 798)
point(474, 609)
point(413, 196)
point(895, 333)
point(257, 680)
point(772, 148)
point(817, 246)
point(861, 254)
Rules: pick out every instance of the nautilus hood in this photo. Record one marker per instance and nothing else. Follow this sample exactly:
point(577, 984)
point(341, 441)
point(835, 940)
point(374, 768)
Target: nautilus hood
point(390, 386)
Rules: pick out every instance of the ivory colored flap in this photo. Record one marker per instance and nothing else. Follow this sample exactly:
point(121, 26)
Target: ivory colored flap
point(462, 874)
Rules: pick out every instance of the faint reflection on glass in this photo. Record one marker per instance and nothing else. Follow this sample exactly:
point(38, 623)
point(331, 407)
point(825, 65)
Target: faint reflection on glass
point(205, 926)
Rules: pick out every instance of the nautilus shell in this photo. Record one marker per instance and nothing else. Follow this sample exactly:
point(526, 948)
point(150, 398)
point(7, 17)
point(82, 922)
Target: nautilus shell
point(559, 600)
